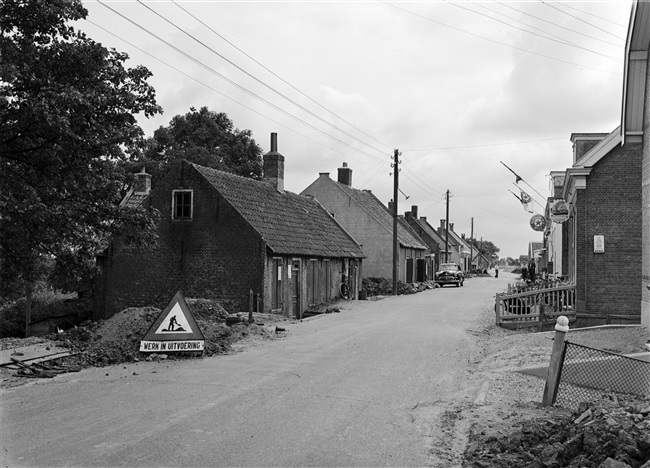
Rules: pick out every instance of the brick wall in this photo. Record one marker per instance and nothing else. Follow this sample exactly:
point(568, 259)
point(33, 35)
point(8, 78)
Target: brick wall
point(645, 278)
point(215, 255)
point(610, 206)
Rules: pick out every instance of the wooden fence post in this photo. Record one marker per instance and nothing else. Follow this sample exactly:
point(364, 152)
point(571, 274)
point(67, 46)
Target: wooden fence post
point(552, 378)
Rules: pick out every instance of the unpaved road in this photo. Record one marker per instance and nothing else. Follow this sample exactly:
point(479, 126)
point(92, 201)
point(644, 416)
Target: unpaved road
point(371, 386)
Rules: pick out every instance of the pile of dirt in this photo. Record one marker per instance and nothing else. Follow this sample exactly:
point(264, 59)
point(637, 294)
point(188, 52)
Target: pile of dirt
point(510, 428)
point(384, 287)
point(117, 339)
point(611, 433)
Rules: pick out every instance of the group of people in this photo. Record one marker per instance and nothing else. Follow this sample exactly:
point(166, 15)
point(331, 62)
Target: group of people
point(528, 273)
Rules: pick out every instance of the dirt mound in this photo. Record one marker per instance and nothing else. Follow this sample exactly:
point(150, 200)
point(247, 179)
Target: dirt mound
point(598, 434)
point(117, 339)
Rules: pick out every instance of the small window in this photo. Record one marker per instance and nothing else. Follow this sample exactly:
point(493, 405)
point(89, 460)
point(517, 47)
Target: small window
point(182, 204)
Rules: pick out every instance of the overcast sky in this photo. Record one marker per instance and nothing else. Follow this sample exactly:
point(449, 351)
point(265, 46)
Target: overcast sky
point(457, 87)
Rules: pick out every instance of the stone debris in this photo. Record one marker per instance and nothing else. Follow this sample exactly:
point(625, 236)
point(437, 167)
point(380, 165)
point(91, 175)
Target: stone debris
point(604, 434)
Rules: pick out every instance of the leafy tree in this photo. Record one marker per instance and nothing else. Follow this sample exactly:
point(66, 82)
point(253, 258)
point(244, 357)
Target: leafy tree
point(67, 125)
point(487, 248)
point(204, 137)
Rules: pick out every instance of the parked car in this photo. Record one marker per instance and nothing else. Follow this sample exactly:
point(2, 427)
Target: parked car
point(449, 273)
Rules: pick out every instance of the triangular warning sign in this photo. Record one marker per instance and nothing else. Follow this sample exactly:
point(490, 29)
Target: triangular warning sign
point(174, 324)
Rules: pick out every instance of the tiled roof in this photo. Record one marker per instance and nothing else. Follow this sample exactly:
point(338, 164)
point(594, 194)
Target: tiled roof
point(288, 223)
point(426, 227)
point(380, 212)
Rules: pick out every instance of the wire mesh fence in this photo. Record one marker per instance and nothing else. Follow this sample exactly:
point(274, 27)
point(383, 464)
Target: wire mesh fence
point(587, 374)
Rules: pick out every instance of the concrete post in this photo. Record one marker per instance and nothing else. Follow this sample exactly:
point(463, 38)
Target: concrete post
point(554, 369)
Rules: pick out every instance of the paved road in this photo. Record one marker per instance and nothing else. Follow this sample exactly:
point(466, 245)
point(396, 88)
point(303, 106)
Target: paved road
point(365, 387)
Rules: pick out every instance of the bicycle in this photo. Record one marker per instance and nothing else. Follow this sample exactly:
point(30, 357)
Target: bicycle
point(344, 289)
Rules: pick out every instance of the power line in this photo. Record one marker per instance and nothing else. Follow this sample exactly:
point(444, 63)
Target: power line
point(595, 16)
point(266, 85)
point(279, 77)
point(548, 4)
point(557, 25)
point(485, 145)
point(544, 35)
point(498, 42)
point(216, 90)
point(233, 83)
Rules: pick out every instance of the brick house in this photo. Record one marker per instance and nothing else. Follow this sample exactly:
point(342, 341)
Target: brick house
point(604, 247)
point(635, 129)
point(603, 232)
point(459, 250)
point(430, 237)
point(370, 222)
point(222, 236)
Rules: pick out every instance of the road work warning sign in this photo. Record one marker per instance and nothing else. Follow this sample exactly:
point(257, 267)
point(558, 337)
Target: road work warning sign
point(174, 330)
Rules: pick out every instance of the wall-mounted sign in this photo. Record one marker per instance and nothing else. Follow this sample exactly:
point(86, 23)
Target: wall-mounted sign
point(559, 211)
point(599, 244)
point(538, 222)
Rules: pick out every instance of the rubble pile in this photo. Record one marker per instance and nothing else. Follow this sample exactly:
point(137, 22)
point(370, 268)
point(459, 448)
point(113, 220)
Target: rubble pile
point(384, 287)
point(117, 339)
point(611, 433)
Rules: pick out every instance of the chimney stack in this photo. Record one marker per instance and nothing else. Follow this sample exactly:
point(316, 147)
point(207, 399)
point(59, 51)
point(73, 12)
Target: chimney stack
point(274, 165)
point(451, 226)
point(345, 175)
point(414, 211)
point(391, 207)
point(143, 183)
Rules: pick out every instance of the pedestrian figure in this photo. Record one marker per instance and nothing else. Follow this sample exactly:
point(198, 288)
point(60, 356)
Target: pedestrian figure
point(531, 271)
point(524, 273)
point(172, 323)
point(496, 271)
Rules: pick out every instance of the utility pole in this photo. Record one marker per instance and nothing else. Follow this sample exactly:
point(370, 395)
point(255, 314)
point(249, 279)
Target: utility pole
point(447, 230)
point(471, 246)
point(395, 166)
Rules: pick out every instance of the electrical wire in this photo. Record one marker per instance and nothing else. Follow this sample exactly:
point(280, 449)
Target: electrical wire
point(544, 35)
point(217, 91)
point(497, 42)
point(579, 19)
point(558, 25)
point(440, 148)
point(279, 77)
point(261, 82)
point(591, 14)
point(233, 83)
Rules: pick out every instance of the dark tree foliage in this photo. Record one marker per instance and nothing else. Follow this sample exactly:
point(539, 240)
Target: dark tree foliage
point(487, 248)
point(203, 137)
point(67, 126)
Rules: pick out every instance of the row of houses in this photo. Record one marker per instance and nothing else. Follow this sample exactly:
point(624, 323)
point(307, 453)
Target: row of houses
point(601, 241)
point(240, 240)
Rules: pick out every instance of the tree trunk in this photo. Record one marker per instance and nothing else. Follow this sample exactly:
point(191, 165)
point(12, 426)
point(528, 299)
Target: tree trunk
point(28, 308)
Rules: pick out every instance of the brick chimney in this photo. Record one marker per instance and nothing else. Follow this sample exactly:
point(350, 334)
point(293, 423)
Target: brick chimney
point(391, 207)
point(414, 211)
point(142, 183)
point(451, 226)
point(274, 165)
point(345, 175)
point(408, 215)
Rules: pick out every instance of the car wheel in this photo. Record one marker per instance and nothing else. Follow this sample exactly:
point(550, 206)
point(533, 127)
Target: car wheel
point(458, 284)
